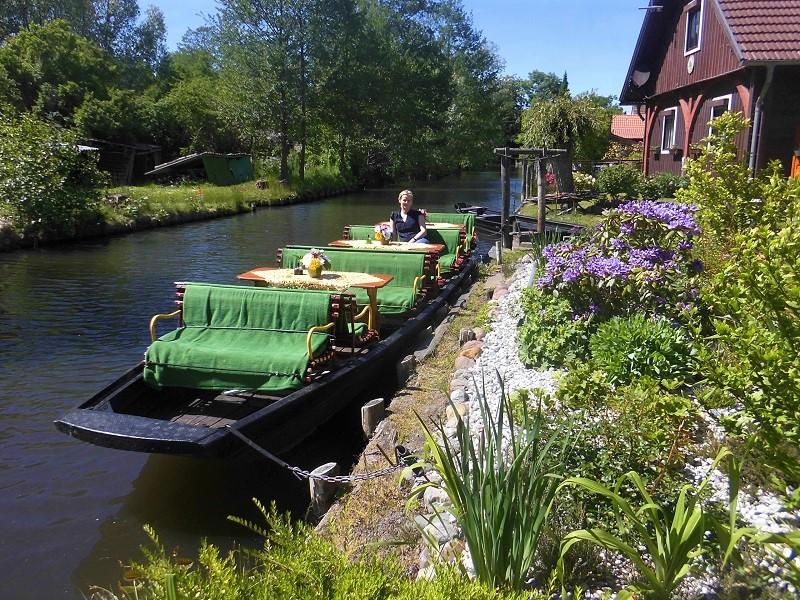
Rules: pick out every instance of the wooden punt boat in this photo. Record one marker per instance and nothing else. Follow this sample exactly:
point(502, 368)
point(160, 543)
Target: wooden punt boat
point(131, 415)
point(487, 222)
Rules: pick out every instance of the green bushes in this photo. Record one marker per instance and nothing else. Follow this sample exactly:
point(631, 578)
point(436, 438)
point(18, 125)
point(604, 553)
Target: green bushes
point(638, 346)
point(621, 179)
point(626, 181)
point(550, 336)
point(46, 184)
point(295, 562)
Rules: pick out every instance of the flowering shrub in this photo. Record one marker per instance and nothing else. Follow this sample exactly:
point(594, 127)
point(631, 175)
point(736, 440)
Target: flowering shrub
point(638, 258)
point(584, 182)
point(314, 257)
point(383, 232)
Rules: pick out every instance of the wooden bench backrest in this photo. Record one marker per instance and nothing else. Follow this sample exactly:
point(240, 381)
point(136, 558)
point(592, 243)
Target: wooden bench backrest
point(403, 266)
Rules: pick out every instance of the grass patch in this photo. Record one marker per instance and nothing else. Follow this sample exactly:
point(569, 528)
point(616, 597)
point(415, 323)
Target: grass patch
point(588, 213)
point(370, 521)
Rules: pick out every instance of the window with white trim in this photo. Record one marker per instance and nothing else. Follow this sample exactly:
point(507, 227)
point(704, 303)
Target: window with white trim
point(694, 28)
point(668, 129)
point(719, 106)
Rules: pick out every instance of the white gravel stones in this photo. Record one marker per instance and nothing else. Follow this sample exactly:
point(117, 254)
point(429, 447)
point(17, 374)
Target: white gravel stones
point(499, 355)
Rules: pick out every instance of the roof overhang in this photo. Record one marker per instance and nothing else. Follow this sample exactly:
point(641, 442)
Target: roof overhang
point(653, 17)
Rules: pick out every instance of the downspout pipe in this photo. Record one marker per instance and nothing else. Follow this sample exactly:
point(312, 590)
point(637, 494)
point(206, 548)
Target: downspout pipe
point(758, 117)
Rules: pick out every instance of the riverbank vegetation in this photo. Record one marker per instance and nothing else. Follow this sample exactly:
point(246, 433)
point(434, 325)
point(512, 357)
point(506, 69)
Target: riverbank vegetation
point(676, 325)
point(363, 90)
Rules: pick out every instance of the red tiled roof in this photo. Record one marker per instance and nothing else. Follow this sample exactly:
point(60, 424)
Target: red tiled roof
point(629, 127)
point(765, 30)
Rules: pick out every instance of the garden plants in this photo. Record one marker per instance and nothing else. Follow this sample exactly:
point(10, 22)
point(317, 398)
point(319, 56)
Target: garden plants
point(502, 482)
point(672, 536)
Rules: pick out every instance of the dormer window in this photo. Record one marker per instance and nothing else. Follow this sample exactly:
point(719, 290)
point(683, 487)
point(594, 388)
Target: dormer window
point(694, 19)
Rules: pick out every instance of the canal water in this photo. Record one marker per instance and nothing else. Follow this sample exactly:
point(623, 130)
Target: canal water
point(73, 318)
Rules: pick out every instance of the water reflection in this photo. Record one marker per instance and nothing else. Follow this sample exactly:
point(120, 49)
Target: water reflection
point(73, 318)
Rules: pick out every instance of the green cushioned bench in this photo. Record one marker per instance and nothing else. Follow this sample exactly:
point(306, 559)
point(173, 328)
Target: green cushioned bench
point(411, 273)
point(451, 239)
point(465, 219)
point(237, 337)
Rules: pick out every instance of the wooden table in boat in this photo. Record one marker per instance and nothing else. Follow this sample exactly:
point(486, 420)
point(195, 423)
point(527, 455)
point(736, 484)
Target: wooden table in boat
point(370, 245)
point(338, 281)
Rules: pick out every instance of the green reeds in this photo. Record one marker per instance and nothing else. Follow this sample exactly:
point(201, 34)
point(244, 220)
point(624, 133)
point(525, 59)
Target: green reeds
point(501, 482)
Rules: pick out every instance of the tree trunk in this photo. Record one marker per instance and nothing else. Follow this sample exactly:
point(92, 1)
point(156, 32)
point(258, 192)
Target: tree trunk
point(562, 166)
point(342, 149)
point(284, 134)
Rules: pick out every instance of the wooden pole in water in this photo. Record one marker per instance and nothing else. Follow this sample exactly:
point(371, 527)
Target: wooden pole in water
point(505, 179)
point(541, 205)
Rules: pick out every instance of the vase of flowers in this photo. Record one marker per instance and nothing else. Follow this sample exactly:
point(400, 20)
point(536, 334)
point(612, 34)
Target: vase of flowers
point(315, 261)
point(383, 233)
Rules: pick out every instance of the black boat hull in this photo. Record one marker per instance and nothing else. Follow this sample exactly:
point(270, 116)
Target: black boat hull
point(279, 426)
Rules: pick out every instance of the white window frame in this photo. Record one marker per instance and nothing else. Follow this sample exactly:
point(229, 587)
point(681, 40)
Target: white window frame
point(699, 30)
point(674, 110)
point(729, 99)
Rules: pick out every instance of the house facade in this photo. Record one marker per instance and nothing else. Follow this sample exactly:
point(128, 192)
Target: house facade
point(696, 59)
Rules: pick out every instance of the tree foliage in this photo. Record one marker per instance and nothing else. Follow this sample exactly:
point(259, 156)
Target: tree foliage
point(377, 88)
point(45, 182)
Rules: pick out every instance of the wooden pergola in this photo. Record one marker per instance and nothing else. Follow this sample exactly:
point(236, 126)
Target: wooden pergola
point(529, 157)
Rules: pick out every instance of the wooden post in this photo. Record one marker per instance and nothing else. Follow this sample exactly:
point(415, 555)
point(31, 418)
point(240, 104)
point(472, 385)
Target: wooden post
point(541, 205)
point(404, 368)
point(372, 413)
point(505, 179)
point(322, 491)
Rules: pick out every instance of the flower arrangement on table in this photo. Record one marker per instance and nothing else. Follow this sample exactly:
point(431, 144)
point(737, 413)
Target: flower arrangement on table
point(315, 261)
point(383, 233)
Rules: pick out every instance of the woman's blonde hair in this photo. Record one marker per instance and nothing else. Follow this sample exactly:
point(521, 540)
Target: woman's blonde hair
point(405, 192)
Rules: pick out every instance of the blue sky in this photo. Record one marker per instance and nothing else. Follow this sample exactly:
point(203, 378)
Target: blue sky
point(590, 39)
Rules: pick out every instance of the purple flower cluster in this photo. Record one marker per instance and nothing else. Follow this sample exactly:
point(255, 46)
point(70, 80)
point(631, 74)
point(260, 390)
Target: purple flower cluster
point(675, 216)
point(638, 256)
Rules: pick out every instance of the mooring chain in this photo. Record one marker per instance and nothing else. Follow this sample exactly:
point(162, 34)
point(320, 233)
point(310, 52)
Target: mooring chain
point(301, 474)
point(403, 455)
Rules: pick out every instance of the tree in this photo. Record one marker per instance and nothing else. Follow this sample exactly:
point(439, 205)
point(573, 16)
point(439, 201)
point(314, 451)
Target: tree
point(261, 48)
point(45, 182)
point(563, 123)
point(540, 86)
point(54, 69)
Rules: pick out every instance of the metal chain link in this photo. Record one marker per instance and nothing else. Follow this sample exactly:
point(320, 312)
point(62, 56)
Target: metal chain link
point(303, 474)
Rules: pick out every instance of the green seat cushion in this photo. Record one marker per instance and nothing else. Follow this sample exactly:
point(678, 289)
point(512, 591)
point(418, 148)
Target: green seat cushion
point(239, 337)
point(446, 262)
point(362, 232)
point(390, 300)
point(244, 307)
point(212, 358)
point(466, 219)
point(404, 267)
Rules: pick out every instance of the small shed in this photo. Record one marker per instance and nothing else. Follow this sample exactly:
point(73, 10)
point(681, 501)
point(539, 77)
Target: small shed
point(125, 163)
point(220, 169)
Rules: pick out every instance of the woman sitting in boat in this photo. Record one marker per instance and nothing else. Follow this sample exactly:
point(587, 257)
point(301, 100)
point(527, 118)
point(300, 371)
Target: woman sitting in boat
point(408, 225)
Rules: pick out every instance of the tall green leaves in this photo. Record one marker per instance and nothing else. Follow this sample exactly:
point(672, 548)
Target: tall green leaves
point(672, 537)
point(502, 482)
